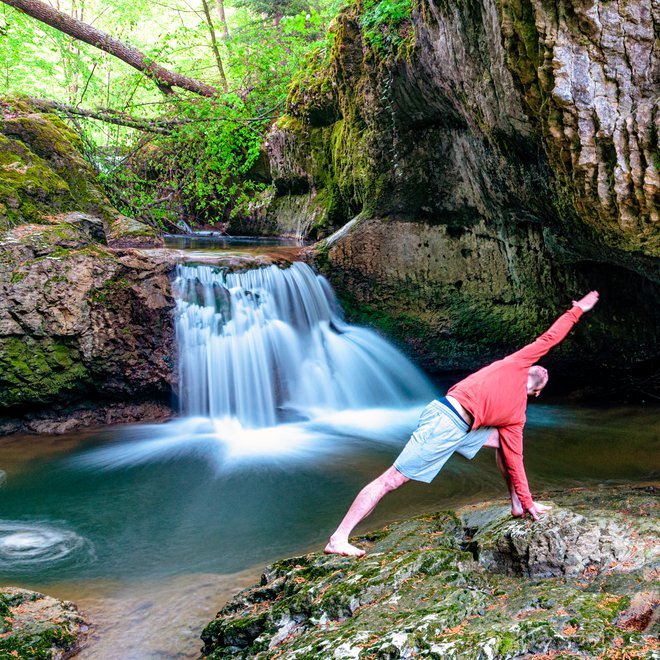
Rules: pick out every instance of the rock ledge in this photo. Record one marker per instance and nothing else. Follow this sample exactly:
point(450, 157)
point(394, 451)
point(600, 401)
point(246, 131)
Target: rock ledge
point(472, 584)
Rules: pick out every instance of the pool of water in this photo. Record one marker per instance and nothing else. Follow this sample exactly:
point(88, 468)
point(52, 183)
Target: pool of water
point(150, 528)
point(207, 245)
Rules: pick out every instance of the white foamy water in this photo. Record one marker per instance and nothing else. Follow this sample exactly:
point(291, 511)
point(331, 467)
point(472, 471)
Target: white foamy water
point(269, 370)
point(36, 543)
point(266, 346)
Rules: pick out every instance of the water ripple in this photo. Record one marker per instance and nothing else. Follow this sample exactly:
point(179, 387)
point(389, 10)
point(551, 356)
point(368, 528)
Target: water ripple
point(31, 544)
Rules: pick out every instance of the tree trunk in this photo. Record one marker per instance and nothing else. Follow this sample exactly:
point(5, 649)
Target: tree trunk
point(223, 18)
point(164, 78)
point(108, 116)
point(214, 45)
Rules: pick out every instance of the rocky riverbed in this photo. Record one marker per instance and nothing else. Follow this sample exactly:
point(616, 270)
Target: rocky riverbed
point(583, 581)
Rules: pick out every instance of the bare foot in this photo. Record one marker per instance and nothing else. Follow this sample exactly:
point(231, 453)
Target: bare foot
point(343, 548)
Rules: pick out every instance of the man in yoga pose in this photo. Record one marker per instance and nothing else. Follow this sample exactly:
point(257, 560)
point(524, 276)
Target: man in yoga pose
point(485, 409)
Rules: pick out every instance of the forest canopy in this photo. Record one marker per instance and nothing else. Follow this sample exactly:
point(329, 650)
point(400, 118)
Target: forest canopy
point(168, 153)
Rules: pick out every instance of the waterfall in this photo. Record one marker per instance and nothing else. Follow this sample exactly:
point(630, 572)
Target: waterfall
point(268, 346)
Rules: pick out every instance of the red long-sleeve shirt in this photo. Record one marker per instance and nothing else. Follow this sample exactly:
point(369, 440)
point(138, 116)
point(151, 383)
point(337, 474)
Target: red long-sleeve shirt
point(497, 396)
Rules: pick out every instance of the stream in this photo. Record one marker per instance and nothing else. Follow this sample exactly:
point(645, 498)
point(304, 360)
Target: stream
point(287, 411)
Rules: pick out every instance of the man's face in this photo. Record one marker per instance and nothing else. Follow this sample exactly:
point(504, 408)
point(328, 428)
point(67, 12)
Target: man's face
point(537, 379)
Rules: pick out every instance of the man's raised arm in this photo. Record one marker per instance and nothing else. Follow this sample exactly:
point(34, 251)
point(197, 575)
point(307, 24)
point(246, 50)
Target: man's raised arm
point(557, 331)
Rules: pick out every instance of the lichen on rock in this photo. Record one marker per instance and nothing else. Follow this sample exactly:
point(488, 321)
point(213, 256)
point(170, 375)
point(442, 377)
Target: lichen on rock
point(474, 583)
point(38, 627)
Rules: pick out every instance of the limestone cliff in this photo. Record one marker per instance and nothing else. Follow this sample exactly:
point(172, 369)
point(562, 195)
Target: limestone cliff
point(496, 159)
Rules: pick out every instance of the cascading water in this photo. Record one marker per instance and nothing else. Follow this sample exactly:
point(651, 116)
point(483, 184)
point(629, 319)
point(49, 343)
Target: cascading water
point(267, 367)
point(268, 345)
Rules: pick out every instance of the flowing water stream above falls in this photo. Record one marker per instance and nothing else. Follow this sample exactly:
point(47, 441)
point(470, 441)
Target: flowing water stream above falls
point(286, 412)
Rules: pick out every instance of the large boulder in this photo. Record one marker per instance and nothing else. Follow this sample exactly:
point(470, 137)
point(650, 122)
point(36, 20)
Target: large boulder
point(583, 581)
point(86, 334)
point(494, 160)
point(82, 325)
point(42, 169)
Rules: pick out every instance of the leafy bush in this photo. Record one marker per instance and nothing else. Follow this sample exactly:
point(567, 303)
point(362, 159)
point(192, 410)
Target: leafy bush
point(387, 23)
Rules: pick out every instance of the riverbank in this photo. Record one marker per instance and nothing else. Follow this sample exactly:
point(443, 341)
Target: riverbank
point(582, 580)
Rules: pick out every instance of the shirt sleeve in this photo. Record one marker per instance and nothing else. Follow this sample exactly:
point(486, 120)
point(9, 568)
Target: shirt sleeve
point(511, 442)
point(551, 337)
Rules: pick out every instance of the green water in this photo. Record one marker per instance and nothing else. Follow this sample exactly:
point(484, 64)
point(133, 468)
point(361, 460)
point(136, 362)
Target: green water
point(167, 522)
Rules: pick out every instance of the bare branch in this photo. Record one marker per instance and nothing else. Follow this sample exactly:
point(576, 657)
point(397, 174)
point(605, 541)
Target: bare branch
point(164, 78)
point(158, 126)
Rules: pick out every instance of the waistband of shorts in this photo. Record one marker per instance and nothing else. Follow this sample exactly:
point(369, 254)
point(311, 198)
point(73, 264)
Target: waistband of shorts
point(453, 413)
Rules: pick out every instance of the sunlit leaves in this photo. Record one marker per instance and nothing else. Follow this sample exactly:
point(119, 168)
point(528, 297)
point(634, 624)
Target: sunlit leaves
point(386, 23)
point(201, 171)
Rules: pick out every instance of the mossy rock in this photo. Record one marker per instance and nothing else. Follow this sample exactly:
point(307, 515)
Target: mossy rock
point(426, 588)
point(313, 95)
point(127, 232)
point(39, 369)
point(42, 168)
point(79, 319)
point(37, 627)
point(29, 189)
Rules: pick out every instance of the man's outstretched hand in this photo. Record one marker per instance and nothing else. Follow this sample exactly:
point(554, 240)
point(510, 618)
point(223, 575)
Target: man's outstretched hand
point(588, 302)
point(537, 509)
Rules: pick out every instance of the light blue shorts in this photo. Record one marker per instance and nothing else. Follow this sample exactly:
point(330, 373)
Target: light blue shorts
point(440, 433)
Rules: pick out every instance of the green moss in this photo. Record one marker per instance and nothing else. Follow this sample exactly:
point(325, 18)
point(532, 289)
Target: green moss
point(313, 95)
point(396, 325)
point(107, 293)
point(38, 370)
point(29, 189)
point(17, 276)
point(37, 646)
point(37, 641)
point(123, 227)
point(43, 172)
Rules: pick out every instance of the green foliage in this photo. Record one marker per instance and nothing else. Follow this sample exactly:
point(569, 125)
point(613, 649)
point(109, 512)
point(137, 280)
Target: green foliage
point(275, 8)
point(202, 170)
point(386, 23)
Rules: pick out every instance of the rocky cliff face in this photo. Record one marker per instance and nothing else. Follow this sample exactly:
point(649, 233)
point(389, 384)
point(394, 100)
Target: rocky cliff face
point(499, 159)
point(81, 323)
point(86, 334)
point(580, 582)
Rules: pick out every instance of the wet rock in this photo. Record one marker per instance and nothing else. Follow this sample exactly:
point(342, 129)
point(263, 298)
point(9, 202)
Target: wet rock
point(445, 585)
point(125, 232)
point(36, 626)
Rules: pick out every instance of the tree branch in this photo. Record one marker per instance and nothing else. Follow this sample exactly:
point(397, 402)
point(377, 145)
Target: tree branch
point(105, 114)
point(159, 126)
point(164, 78)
